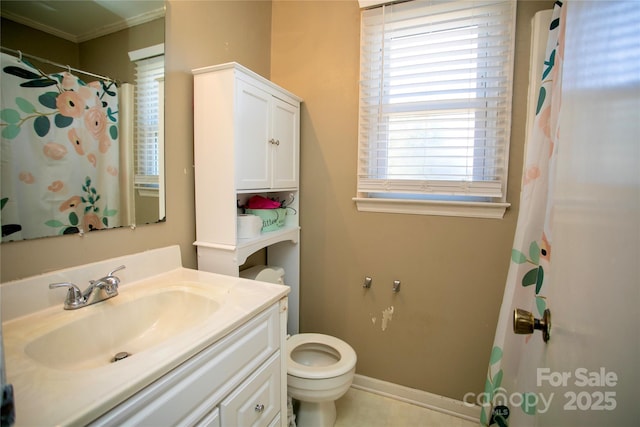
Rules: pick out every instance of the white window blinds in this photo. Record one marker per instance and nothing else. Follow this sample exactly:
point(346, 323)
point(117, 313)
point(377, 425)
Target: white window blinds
point(148, 73)
point(435, 100)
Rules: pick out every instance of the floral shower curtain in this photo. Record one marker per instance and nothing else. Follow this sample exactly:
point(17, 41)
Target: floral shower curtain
point(60, 157)
point(531, 254)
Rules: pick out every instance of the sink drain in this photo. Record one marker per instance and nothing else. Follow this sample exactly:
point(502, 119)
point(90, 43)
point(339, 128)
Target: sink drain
point(119, 356)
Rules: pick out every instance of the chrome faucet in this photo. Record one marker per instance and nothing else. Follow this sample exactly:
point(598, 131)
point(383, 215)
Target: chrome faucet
point(98, 290)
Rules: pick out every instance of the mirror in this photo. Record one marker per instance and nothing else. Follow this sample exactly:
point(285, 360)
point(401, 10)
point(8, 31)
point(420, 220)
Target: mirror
point(89, 40)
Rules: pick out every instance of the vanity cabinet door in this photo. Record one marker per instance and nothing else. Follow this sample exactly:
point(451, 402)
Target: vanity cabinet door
point(256, 401)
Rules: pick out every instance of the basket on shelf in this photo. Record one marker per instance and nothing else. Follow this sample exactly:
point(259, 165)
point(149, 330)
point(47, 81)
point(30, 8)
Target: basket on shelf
point(272, 219)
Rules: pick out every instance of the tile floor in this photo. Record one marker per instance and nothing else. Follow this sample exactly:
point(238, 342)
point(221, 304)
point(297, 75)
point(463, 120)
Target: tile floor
point(358, 408)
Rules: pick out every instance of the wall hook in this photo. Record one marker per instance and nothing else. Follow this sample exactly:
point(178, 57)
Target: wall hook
point(367, 282)
point(396, 286)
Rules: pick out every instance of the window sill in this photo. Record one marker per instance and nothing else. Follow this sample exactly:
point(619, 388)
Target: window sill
point(433, 207)
point(148, 191)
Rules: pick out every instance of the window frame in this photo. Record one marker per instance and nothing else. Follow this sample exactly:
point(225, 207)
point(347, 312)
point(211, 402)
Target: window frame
point(432, 201)
point(149, 184)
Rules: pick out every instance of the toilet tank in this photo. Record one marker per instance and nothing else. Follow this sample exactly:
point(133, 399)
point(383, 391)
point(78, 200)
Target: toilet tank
point(264, 273)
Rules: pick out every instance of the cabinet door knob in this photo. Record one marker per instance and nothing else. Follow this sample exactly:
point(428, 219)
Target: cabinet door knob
point(274, 141)
point(259, 408)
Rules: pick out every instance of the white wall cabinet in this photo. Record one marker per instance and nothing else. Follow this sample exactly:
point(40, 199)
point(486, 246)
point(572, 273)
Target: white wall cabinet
point(267, 143)
point(246, 142)
point(237, 381)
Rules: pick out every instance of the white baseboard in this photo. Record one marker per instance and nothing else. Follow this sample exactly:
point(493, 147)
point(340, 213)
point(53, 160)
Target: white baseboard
point(421, 398)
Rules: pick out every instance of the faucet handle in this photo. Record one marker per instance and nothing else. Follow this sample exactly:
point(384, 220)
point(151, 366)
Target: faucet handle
point(113, 281)
point(122, 267)
point(74, 295)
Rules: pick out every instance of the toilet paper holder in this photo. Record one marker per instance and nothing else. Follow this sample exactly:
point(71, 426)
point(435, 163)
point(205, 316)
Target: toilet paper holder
point(396, 286)
point(367, 282)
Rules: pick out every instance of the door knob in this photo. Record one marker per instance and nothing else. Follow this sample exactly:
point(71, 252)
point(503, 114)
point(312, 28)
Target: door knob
point(525, 323)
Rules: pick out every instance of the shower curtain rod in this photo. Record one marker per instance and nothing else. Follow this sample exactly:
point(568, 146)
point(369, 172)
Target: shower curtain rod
point(66, 67)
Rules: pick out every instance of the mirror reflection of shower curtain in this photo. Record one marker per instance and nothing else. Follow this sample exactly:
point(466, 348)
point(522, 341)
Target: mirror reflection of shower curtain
point(60, 156)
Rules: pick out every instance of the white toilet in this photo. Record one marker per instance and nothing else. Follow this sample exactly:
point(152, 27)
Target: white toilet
point(320, 368)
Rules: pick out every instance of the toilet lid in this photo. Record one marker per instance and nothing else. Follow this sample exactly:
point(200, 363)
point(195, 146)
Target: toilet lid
point(345, 364)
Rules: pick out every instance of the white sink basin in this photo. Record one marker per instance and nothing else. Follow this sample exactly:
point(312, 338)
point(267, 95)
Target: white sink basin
point(113, 327)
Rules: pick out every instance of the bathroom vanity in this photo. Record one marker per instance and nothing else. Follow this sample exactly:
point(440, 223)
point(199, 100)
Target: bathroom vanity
point(234, 382)
point(246, 143)
point(204, 349)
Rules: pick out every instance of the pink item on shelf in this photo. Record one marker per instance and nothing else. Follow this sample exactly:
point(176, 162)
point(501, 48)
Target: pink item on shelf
point(259, 202)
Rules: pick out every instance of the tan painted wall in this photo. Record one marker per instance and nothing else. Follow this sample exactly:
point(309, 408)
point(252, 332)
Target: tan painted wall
point(117, 64)
point(452, 270)
point(28, 40)
point(97, 55)
point(198, 34)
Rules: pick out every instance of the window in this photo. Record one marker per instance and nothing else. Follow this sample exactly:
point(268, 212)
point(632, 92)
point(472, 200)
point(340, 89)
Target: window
point(149, 70)
point(435, 107)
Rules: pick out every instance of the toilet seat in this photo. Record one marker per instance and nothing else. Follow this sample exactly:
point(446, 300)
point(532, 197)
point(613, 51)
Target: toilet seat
point(346, 362)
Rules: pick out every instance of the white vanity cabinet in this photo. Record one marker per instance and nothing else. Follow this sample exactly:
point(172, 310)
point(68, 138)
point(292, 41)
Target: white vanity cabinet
point(235, 382)
point(246, 142)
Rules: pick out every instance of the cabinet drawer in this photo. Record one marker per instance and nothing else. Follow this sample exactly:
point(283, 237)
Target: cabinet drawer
point(187, 393)
point(210, 420)
point(256, 401)
point(276, 421)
